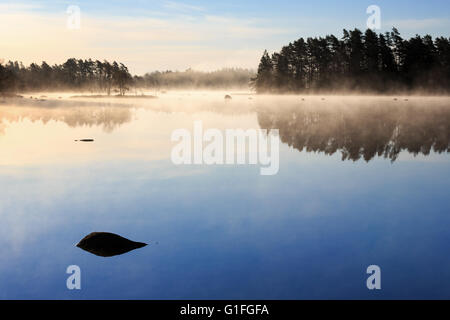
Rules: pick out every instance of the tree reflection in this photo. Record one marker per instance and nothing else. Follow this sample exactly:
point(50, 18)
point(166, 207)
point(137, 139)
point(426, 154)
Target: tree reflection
point(74, 114)
point(381, 129)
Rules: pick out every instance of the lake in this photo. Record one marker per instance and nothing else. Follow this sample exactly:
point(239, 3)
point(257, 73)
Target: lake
point(362, 181)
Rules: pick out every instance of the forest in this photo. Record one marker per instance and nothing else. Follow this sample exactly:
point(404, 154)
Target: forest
point(72, 75)
point(98, 76)
point(358, 62)
point(362, 62)
point(192, 79)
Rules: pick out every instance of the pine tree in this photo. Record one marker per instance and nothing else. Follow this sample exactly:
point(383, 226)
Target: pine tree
point(264, 78)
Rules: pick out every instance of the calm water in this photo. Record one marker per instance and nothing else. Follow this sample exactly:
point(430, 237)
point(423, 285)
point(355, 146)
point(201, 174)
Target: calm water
point(362, 181)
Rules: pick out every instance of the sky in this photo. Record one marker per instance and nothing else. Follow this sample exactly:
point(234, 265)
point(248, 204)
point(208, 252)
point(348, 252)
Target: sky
point(202, 35)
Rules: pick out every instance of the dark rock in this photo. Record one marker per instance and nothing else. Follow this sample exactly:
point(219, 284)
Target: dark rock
point(85, 140)
point(106, 244)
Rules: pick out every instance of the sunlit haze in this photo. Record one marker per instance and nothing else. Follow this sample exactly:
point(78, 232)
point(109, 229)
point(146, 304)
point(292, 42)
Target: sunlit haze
point(202, 35)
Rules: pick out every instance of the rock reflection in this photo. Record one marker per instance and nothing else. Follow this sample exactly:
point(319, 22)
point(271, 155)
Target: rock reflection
point(362, 131)
point(107, 244)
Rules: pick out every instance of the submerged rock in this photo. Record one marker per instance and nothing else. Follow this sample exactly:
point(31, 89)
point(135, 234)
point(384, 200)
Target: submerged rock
point(106, 244)
point(85, 140)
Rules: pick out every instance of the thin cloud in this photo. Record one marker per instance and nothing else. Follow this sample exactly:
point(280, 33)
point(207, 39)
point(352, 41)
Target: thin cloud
point(418, 24)
point(142, 43)
point(182, 6)
point(240, 28)
point(18, 7)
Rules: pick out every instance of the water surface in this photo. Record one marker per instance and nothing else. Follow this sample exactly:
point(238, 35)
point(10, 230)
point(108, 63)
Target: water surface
point(362, 181)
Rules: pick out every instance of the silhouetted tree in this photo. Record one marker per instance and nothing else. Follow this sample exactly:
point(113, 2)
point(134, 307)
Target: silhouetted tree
point(263, 80)
point(121, 77)
point(73, 75)
point(369, 61)
point(7, 80)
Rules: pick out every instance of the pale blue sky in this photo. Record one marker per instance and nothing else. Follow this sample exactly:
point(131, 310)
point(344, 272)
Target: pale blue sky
point(150, 35)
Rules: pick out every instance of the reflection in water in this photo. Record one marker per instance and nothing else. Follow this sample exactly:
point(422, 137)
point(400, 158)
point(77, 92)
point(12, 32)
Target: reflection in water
point(362, 131)
point(54, 189)
point(356, 127)
point(107, 244)
point(74, 114)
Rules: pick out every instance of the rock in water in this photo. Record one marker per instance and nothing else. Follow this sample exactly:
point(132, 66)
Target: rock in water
point(106, 244)
point(85, 140)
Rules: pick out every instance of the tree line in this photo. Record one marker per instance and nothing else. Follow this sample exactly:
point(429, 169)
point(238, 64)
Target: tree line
point(357, 62)
point(103, 76)
point(74, 74)
point(192, 79)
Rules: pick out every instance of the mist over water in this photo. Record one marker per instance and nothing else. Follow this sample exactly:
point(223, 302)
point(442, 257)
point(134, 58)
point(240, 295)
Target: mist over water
point(357, 127)
point(363, 180)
